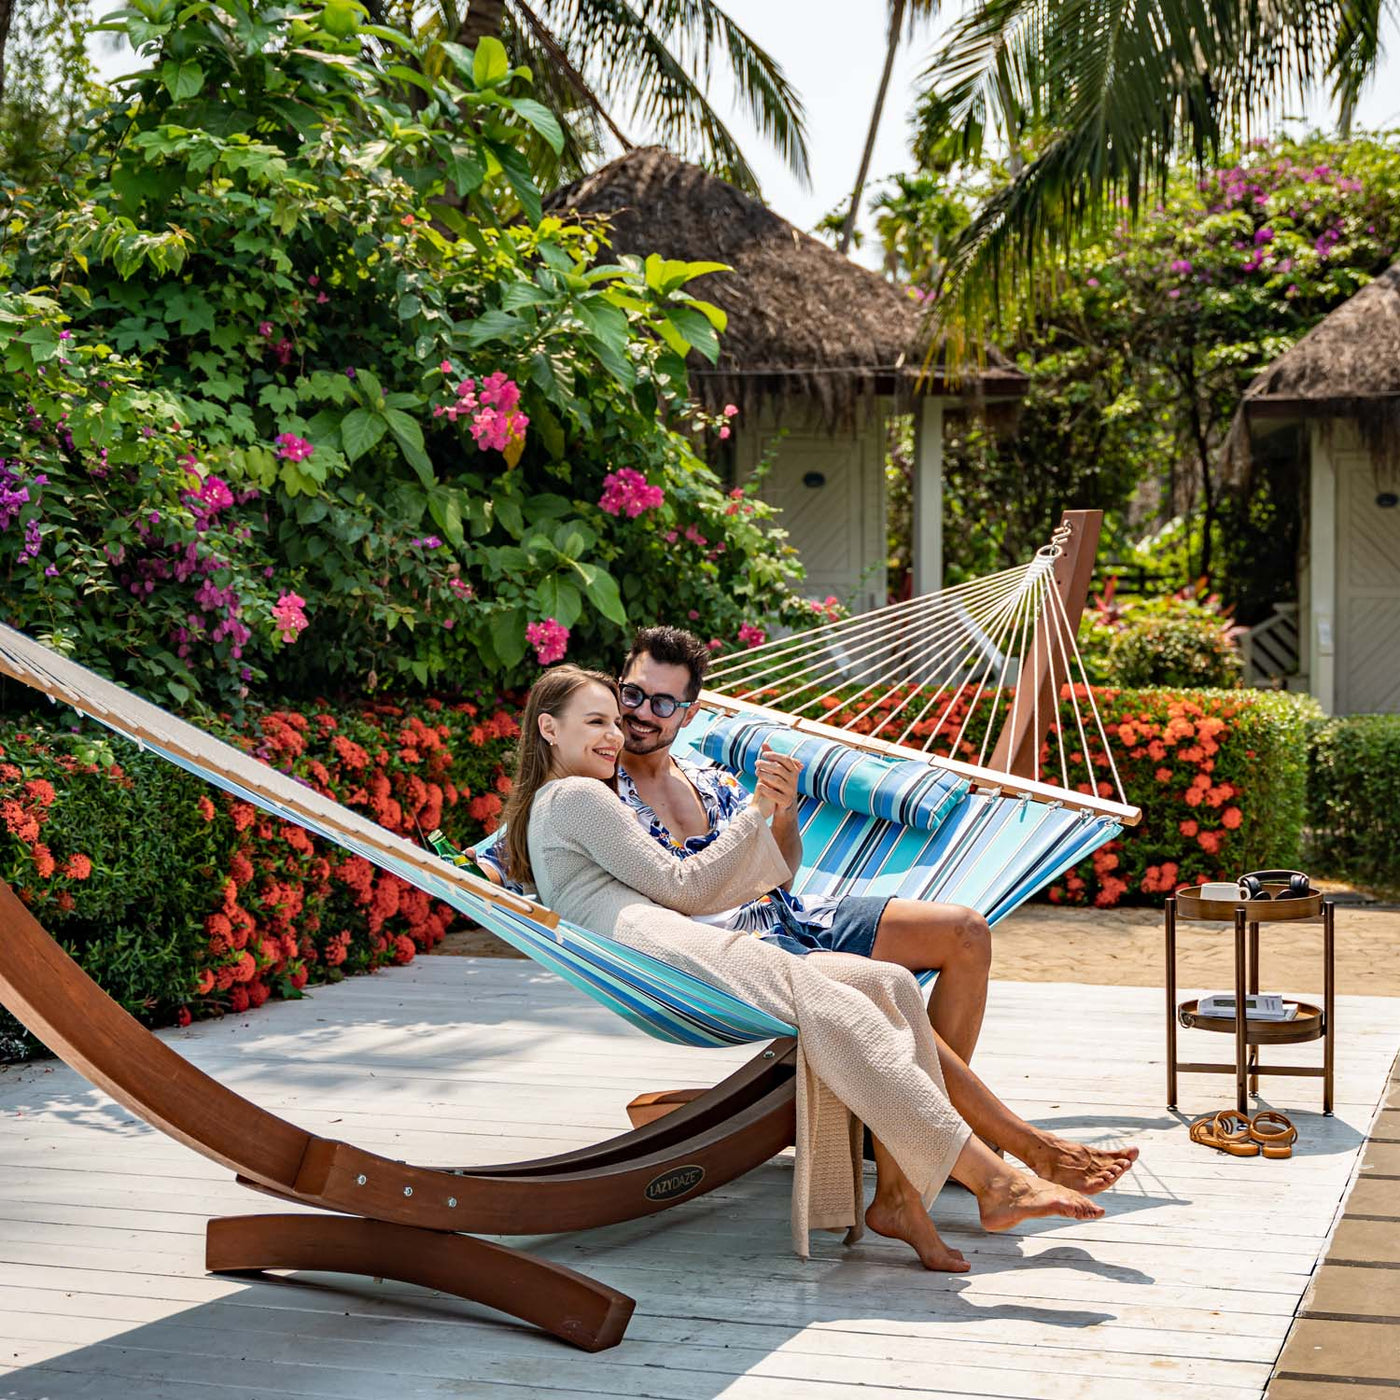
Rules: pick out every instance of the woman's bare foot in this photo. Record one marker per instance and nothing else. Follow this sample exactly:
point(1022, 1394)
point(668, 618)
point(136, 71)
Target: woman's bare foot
point(1017, 1196)
point(904, 1218)
point(1072, 1164)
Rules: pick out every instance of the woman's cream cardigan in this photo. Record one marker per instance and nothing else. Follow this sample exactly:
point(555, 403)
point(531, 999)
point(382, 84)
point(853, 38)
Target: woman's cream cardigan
point(865, 1050)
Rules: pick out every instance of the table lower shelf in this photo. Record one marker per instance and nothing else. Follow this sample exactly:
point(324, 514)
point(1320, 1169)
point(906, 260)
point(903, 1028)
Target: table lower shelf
point(1309, 1024)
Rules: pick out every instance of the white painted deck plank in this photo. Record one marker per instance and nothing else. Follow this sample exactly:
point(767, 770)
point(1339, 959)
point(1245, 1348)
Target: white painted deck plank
point(102, 1292)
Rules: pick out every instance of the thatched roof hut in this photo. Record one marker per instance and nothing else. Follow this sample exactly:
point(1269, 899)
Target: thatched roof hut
point(1326, 416)
point(1347, 366)
point(804, 321)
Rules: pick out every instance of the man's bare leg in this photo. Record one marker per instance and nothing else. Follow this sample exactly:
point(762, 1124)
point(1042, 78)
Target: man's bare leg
point(955, 941)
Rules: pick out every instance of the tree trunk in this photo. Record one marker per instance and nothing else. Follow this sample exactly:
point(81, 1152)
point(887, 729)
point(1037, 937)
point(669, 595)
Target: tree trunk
point(1201, 441)
point(896, 24)
point(7, 13)
point(483, 17)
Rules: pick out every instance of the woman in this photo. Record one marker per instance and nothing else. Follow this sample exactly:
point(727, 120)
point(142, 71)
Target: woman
point(865, 1045)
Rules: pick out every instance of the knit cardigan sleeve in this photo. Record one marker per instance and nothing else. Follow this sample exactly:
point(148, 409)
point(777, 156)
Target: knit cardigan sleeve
point(740, 864)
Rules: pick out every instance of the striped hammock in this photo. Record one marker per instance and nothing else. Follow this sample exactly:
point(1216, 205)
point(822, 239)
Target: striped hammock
point(871, 824)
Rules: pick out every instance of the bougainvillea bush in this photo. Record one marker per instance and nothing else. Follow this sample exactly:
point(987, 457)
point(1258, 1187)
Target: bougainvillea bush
point(393, 416)
point(183, 902)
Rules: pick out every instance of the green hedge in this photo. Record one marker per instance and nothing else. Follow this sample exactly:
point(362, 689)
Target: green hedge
point(1354, 798)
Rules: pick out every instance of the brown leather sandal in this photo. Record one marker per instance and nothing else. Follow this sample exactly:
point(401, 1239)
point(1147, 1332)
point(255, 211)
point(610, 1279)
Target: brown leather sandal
point(1226, 1131)
point(1274, 1133)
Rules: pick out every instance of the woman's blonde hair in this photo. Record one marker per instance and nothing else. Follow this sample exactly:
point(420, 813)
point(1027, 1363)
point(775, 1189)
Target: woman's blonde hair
point(548, 696)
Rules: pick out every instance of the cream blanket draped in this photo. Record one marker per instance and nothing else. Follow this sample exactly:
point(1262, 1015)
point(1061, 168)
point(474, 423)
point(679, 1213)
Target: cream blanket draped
point(865, 1050)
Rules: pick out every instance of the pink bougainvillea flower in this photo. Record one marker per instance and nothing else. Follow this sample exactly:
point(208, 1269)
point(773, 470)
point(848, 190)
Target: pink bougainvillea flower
point(751, 636)
point(288, 616)
point(550, 640)
point(723, 433)
point(291, 448)
point(265, 329)
point(496, 422)
point(626, 492)
point(730, 410)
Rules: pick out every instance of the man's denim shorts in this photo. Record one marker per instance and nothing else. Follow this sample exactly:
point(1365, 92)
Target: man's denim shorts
point(853, 929)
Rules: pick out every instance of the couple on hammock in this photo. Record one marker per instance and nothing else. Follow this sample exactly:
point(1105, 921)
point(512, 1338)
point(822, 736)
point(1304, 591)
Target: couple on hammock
point(689, 868)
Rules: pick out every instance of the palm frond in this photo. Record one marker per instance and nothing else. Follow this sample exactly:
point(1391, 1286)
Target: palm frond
point(661, 53)
point(1114, 91)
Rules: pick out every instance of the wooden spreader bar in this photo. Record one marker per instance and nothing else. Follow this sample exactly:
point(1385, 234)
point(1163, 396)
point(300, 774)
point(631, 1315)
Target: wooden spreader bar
point(401, 1221)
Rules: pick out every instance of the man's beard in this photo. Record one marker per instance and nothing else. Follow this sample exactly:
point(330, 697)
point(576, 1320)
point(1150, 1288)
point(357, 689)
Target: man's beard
point(649, 742)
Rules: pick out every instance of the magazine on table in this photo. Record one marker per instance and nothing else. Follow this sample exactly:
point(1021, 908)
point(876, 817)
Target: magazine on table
point(1258, 1006)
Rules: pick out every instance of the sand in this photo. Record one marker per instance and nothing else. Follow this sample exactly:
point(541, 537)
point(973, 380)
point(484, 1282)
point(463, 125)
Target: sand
point(1123, 948)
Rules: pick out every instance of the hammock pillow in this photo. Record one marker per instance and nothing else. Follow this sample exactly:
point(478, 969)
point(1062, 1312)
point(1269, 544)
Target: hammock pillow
point(899, 790)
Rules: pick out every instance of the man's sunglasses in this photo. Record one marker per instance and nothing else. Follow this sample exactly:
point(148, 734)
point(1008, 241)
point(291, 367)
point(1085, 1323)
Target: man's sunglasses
point(662, 706)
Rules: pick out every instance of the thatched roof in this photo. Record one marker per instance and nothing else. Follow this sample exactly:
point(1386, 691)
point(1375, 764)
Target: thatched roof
point(1347, 366)
point(803, 320)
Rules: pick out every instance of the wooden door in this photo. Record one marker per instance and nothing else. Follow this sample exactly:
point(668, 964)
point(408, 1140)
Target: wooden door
point(1368, 590)
point(831, 493)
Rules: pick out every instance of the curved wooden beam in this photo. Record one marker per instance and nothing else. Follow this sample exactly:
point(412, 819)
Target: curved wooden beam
point(557, 1299)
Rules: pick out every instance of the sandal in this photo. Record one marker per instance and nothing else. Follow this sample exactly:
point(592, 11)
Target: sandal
point(1226, 1131)
point(1273, 1132)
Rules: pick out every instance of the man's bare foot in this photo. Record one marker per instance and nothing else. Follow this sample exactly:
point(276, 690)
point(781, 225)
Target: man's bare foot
point(1072, 1164)
point(1020, 1196)
point(904, 1218)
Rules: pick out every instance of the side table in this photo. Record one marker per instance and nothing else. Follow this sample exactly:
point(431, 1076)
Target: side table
point(1311, 1023)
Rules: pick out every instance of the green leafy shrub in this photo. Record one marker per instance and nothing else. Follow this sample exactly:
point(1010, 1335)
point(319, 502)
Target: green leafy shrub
point(1184, 639)
point(322, 280)
point(1353, 797)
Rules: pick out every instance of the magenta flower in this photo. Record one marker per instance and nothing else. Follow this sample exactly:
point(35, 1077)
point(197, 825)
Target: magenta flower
point(496, 422)
point(751, 636)
point(550, 640)
point(288, 617)
point(730, 410)
point(291, 448)
point(626, 492)
point(265, 329)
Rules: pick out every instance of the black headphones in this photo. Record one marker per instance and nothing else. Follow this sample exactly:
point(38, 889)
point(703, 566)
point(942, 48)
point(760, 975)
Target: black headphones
point(1297, 883)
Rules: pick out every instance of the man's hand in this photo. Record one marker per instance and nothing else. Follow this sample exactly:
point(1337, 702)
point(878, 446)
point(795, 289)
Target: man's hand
point(777, 777)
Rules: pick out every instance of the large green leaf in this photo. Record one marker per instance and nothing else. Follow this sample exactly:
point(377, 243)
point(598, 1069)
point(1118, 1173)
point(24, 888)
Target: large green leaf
point(409, 436)
point(602, 592)
point(181, 80)
point(490, 65)
point(507, 630)
point(360, 429)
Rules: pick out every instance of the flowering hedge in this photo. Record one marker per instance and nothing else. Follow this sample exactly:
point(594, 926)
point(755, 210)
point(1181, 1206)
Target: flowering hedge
point(182, 902)
point(1220, 775)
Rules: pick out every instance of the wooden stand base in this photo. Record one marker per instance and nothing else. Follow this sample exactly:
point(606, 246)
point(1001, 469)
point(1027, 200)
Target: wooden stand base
point(557, 1299)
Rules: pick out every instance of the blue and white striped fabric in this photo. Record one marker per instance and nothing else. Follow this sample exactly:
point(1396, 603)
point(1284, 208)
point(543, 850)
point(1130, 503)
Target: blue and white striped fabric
point(897, 790)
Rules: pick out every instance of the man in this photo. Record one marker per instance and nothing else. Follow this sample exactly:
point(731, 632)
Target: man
point(685, 803)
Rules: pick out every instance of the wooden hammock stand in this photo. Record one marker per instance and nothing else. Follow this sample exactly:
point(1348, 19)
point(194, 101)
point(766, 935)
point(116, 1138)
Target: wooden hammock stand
point(416, 1224)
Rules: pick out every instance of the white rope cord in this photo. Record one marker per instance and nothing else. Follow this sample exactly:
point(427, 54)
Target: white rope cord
point(956, 664)
point(873, 638)
point(726, 667)
point(972, 630)
point(886, 656)
point(1013, 613)
point(1053, 632)
point(1027, 615)
point(1093, 704)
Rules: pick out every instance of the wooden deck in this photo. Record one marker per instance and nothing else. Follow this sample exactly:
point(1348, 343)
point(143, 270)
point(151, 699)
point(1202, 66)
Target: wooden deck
point(1190, 1283)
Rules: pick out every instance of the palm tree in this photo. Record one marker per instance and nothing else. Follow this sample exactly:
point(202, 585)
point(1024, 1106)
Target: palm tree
point(654, 57)
point(899, 10)
point(1111, 94)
